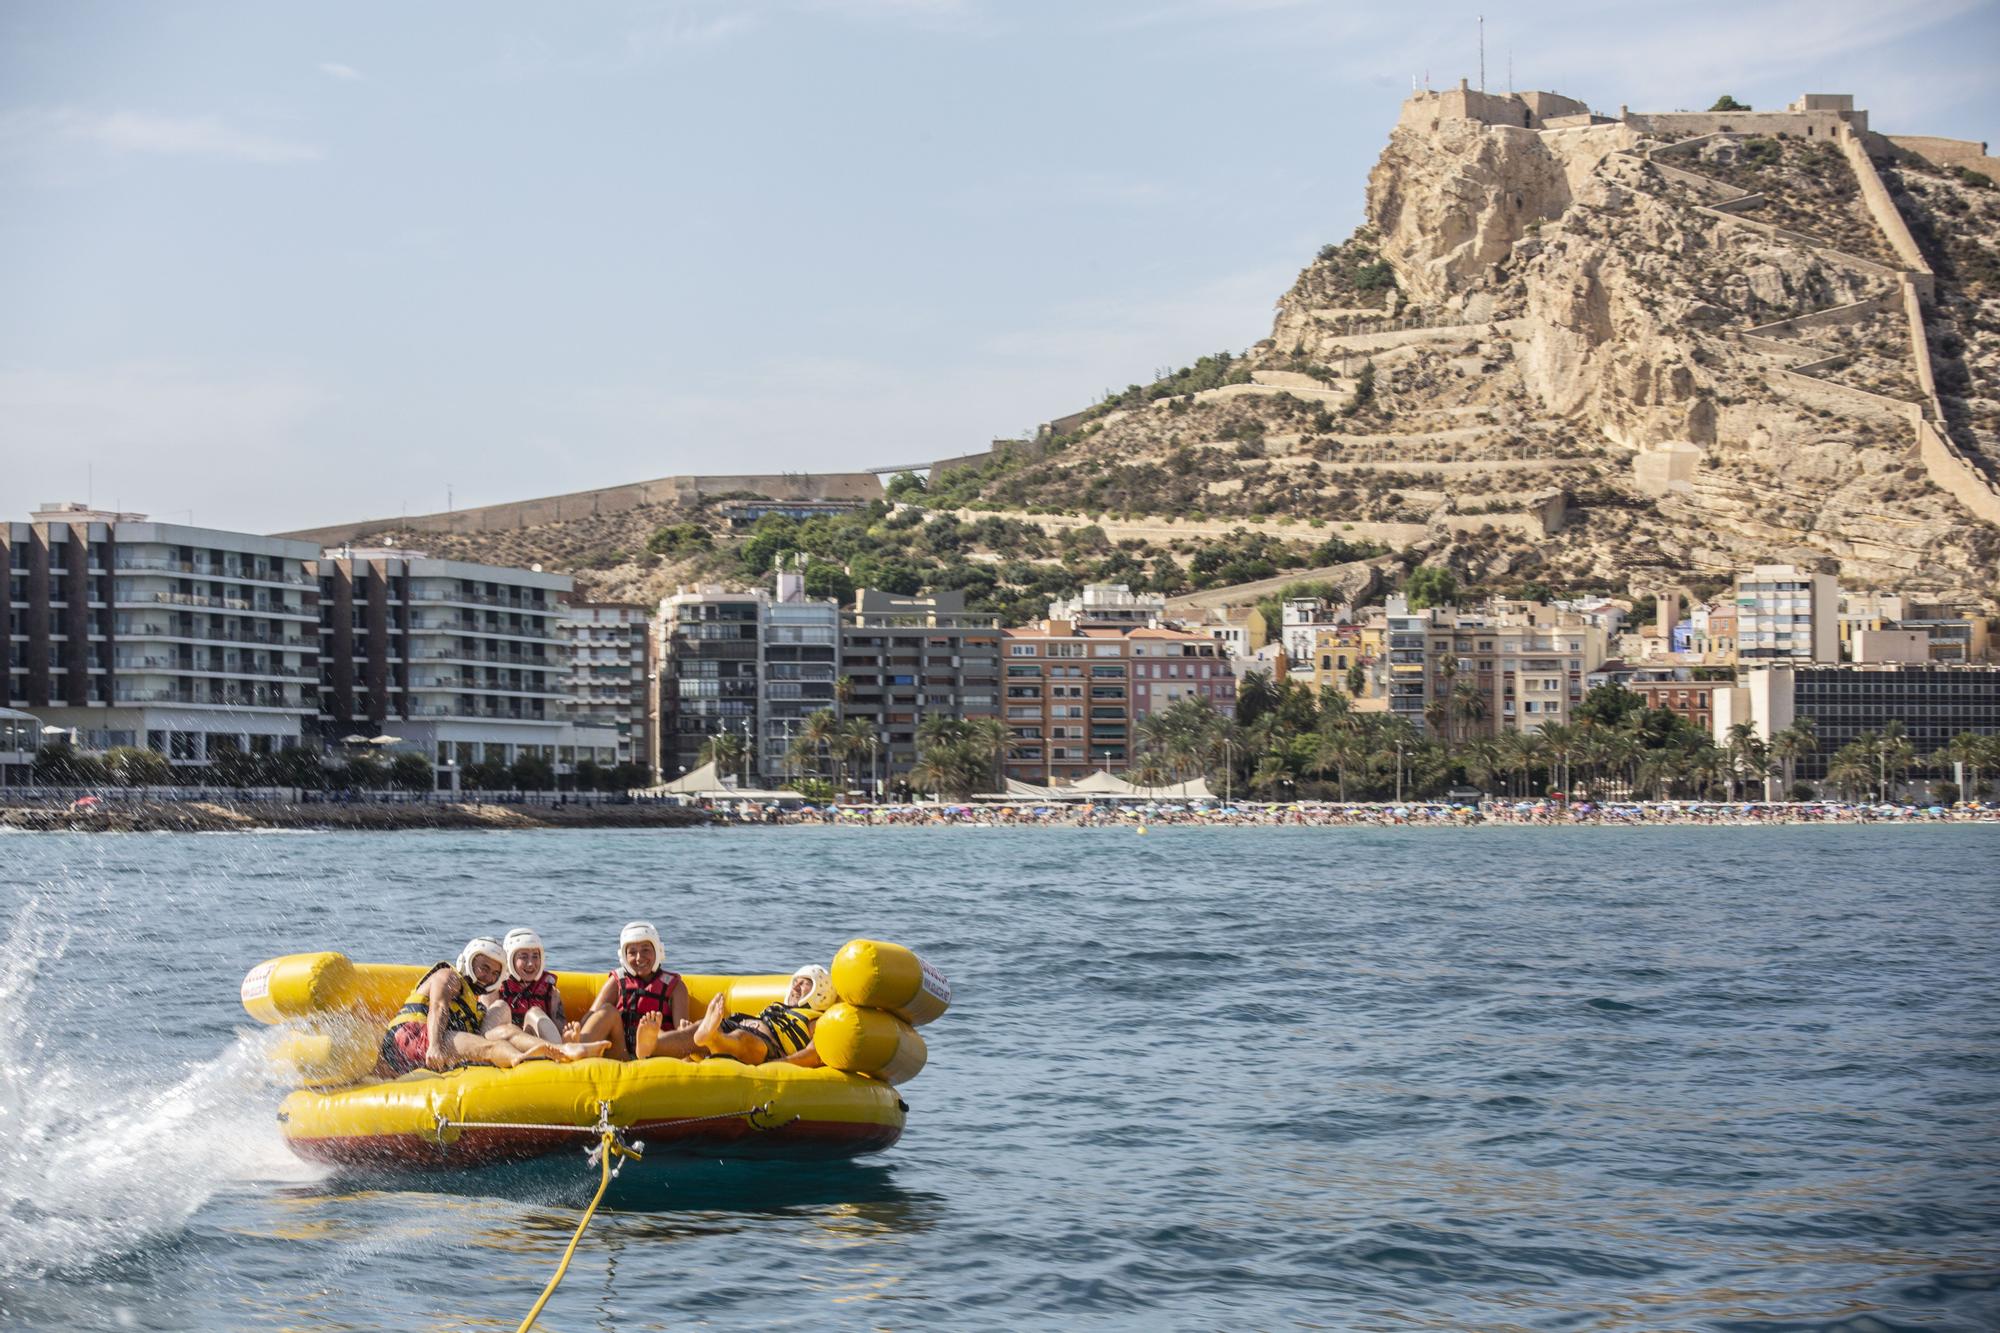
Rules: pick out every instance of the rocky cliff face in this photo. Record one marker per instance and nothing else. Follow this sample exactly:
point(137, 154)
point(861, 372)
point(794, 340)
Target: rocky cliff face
point(1536, 310)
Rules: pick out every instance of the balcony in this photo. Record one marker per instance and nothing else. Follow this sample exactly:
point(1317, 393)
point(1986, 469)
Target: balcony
point(156, 631)
point(210, 698)
point(227, 573)
point(128, 597)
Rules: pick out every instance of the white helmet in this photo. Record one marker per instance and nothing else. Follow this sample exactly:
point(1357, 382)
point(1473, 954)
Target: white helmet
point(520, 937)
point(822, 995)
point(485, 945)
point(634, 932)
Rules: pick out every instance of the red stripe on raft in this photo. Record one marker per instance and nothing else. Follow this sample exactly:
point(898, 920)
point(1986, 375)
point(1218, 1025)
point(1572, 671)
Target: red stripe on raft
point(801, 1139)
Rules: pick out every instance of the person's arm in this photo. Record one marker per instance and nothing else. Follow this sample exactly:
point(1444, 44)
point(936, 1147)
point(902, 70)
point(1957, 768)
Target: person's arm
point(443, 988)
point(805, 1059)
point(607, 995)
point(677, 1006)
point(556, 1015)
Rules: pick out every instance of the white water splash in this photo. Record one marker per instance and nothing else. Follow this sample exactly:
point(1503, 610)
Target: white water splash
point(98, 1160)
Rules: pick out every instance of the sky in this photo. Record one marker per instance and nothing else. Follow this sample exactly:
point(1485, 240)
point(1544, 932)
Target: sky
point(271, 266)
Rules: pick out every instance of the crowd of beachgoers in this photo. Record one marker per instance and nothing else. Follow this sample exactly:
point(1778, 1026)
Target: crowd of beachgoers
point(1327, 814)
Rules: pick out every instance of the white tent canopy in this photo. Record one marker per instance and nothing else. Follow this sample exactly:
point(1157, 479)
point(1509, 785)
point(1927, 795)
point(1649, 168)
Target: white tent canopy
point(708, 781)
point(1104, 784)
point(704, 779)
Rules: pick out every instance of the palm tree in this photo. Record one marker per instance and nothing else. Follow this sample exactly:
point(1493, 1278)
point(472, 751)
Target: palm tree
point(1517, 753)
point(1468, 705)
point(1339, 753)
point(994, 740)
point(815, 738)
point(1560, 743)
point(1791, 744)
point(933, 772)
point(853, 739)
point(1151, 770)
point(843, 694)
point(1850, 769)
point(1271, 771)
point(1481, 760)
point(1748, 755)
point(725, 750)
point(1893, 753)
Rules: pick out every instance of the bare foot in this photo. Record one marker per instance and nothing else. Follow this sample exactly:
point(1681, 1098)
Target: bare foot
point(582, 1050)
point(574, 1032)
point(506, 1057)
point(647, 1037)
point(711, 1023)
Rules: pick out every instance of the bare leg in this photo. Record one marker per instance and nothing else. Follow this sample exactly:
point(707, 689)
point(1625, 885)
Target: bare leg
point(499, 1027)
point(468, 1048)
point(541, 1025)
point(746, 1047)
point(602, 1025)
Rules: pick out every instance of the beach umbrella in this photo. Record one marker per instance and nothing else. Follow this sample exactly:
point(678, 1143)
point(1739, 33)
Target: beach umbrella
point(385, 740)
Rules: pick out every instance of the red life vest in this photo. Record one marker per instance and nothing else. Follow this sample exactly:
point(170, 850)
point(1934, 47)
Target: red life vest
point(521, 996)
point(652, 995)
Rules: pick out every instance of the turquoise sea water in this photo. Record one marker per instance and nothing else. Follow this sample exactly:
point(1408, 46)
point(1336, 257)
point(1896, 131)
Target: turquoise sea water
point(1721, 1078)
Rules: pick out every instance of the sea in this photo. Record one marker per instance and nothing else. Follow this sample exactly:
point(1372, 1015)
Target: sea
point(1192, 1078)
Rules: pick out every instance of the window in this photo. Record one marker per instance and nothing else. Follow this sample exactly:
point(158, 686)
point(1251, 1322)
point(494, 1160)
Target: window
point(1020, 650)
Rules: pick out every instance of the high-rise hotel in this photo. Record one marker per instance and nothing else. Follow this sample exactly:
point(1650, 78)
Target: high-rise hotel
point(189, 640)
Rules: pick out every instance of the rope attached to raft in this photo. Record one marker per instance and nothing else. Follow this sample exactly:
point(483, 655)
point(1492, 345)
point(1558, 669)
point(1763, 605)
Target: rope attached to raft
point(611, 1147)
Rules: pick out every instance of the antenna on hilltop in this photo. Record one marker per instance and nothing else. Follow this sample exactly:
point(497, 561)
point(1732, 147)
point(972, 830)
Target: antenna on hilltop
point(1482, 53)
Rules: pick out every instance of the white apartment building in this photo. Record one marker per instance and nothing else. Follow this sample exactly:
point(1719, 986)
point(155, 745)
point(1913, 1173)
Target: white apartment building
point(1785, 615)
point(607, 671)
point(193, 641)
point(798, 664)
point(1107, 605)
point(461, 662)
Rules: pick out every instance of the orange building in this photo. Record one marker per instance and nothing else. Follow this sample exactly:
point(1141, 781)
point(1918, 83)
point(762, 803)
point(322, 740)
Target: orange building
point(1073, 696)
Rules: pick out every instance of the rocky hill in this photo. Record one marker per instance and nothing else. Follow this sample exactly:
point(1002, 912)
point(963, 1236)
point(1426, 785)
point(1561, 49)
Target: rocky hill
point(1609, 312)
point(1574, 350)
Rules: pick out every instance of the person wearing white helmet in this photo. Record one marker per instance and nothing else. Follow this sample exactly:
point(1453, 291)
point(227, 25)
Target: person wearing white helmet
point(641, 1009)
point(780, 1034)
point(528, 989)
point(443, 1023)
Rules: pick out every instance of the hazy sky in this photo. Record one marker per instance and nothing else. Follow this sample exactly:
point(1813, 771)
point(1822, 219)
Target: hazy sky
point(286, 264)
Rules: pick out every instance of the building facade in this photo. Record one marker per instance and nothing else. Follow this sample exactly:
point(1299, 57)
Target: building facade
point(799, 668)
point(608, 673)
point(1786, 616)
point(1934, 704)
point(1073, 695)
point(711, 640)
point(905, 658)
point(195, 642)
point(462, 662)
point(1514, 666)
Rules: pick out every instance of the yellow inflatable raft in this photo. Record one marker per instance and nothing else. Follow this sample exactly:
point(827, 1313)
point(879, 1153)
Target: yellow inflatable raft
point(334, 1011)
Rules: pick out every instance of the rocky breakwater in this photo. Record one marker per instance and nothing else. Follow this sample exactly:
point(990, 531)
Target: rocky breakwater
point(246, 816)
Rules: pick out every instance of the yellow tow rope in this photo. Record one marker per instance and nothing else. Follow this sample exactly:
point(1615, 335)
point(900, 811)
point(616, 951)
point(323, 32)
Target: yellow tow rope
point(608, 1147)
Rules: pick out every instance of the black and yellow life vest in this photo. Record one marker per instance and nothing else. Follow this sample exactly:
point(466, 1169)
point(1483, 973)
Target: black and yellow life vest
point(790, 1028)
point(464, 1015)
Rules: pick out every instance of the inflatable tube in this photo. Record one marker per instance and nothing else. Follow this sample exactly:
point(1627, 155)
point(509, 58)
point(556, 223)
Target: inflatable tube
point(479, 1115)
point(870, 1041)
point(333, 1012)
point(875, 975)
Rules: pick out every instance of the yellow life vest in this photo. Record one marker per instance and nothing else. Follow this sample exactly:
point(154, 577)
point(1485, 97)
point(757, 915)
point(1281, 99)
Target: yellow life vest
point(790, 1028)
point(464, 1015)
